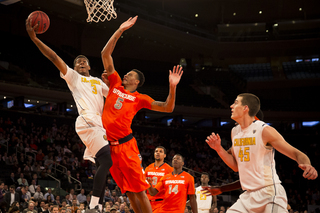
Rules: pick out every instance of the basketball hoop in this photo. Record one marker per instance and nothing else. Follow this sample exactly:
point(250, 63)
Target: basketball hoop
point(100, 10)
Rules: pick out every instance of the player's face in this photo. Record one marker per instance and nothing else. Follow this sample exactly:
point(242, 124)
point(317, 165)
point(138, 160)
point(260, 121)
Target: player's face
point(177, 162)
point(237, 109)
point(82, 66)
point(204, 179)
point(159, 154)
point(131, 78)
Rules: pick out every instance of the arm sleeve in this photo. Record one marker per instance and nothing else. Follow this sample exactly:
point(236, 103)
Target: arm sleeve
point(145, 102)
point(114, 80)
point(191, 189)
point(105, 89)
point(70, 76)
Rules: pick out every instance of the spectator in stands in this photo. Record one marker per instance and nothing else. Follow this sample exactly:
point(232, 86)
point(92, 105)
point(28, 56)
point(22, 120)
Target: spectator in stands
point(63, 204)
point(33, 187)
point(55, 209)
point(74, 205)
point(11, 180)
point(14, 209)
point(38, 195)
point(57, 201)
point(2, 202)
point(67, 199)
point(30, 208)
point(42, 206)
point(81, 197)
point(12, 196)
point(82, 208)
point(107, 207)
point(49, 193)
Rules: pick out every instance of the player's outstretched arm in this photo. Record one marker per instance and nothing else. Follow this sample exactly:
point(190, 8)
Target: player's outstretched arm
point(193, 203)
point(45, 50)
point(216, 190)
point(273, 137)
point(214, 141)
point(109, 47)
point(174, 79)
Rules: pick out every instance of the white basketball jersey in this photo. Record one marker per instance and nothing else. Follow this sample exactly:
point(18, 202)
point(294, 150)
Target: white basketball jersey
point(256, 162)
point(87, 92)
point(203, 201)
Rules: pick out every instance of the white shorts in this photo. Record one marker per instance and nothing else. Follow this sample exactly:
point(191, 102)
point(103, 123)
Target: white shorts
point(270, 199)
point(203, 210)
point(91, 132)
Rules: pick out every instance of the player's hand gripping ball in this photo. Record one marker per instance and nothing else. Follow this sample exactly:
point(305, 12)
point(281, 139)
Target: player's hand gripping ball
point(40, 18)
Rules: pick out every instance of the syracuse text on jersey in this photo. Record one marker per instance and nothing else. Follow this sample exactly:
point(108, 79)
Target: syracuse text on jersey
point(123, 95)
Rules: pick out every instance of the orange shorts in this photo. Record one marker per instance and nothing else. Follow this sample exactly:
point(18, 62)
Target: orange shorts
point(127, 168)
point(155, 205)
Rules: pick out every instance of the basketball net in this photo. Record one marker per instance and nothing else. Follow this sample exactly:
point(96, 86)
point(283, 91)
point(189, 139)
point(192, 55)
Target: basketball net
point(100, 10)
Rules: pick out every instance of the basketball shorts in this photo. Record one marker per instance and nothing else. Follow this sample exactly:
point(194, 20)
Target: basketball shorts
point(155, 205)
point(270, 199)
point(127, 170)
point(91, 132)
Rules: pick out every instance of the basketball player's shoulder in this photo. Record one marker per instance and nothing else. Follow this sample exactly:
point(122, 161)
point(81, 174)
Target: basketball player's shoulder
point(150, 166)
point(167, 167)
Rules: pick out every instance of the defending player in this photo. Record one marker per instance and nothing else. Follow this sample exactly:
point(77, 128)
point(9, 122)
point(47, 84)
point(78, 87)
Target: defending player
point(88, 95)
point(122, 103)
point(205, 202)
point(176, 186)
point(253, 144)
point(155, 172)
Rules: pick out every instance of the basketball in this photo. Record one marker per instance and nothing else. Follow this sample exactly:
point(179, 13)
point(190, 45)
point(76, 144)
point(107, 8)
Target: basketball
point(40, 18)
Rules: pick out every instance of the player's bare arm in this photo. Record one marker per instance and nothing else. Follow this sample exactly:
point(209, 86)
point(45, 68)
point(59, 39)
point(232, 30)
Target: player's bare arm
point(270, 136)
point(109, 47)
point(169, 104)
point(152, 191)
point(216, 190)
point(45, 50)
point(214, 141)
point(193, 203)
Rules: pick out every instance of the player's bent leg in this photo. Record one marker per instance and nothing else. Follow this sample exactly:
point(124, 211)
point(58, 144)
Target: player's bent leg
point(104, 160)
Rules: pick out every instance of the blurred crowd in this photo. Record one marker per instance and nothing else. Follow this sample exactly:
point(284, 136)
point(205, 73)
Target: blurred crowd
point(34, 151)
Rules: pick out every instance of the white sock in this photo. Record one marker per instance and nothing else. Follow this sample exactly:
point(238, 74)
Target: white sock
point(94, 201)
point(100, 207)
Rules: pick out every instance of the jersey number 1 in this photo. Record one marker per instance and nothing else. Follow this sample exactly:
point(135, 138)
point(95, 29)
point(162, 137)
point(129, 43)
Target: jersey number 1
point(175, 189)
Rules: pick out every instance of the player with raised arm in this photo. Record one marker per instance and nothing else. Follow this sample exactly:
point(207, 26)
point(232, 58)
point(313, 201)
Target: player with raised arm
point(121, 105)
point(252, 155)
point(176, 186)
point(88, 93)
point(156, 171)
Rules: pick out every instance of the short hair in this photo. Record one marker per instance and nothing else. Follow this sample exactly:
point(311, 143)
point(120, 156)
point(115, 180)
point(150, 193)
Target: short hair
point(180, 156)
point(141, 77)
point(205, 173)
point(161, 147)
point(252, 101)
point(80, 56)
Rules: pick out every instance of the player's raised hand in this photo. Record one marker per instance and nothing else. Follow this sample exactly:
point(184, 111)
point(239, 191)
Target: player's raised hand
point(214, 141)
point(211, 190)
point(310, 172)
point(129, 23)
point(175, 75)
point(30, 29)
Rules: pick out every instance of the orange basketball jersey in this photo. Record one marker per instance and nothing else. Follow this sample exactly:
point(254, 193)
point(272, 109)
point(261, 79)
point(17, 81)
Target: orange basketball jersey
point(120, 107)
point(176, 187)
point(156, 173)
